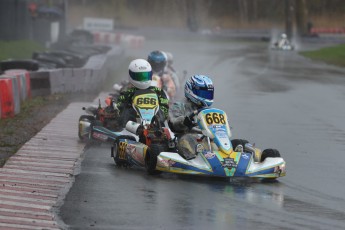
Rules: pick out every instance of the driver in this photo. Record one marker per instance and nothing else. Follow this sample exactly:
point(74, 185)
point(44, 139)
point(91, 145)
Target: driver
point(283, 40)
point(162, 78)
point(199, 93)
point(140, 76)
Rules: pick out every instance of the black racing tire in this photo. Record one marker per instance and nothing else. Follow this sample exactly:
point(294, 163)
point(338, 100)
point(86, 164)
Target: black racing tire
point(269, 153)
point(84, 118)
point(28, 64)
point(117, 161)
point(151, 157)
point(236, 142)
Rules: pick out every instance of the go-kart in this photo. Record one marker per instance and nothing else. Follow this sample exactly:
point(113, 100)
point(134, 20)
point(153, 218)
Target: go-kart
point(219, 157)
point(150, 133)
point(287, 46)
point(98, 125)
point(107, 127)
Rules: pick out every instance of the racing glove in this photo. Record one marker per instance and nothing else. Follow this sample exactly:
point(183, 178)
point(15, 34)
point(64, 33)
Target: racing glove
point(188, 122)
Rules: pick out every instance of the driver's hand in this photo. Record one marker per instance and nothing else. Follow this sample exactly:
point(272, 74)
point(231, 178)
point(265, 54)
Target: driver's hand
point(188, 122)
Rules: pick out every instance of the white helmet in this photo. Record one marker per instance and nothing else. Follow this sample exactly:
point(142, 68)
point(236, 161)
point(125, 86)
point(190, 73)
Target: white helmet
point(140, 73)
point(283, 36)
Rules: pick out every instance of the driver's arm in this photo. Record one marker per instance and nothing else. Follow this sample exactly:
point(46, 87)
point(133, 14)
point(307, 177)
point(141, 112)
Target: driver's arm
point(125, 99)
point(177, 116)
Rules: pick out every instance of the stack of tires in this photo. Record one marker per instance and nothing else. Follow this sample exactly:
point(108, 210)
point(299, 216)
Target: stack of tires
point(14, 89)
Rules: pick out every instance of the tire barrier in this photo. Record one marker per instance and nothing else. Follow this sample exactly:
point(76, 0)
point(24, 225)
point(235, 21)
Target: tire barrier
point(6, 98)
point(327, 30)
point(15, 88)
point(17, 85)
point(40, 83)
point(24, 82)
point(90, 78)
point(9, 96)
point(30, 65)
point(128, 40)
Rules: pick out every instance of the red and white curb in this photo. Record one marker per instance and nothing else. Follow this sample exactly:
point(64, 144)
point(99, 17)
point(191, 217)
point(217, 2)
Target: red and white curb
point(36, 179)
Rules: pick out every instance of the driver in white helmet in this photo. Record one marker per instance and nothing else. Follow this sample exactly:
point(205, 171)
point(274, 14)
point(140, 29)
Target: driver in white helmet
point(140, 76)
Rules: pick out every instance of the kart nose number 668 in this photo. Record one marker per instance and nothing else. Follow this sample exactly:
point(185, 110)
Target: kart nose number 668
point(215, 118)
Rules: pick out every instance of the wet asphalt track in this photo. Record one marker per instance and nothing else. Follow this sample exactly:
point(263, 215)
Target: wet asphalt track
point(275, 99)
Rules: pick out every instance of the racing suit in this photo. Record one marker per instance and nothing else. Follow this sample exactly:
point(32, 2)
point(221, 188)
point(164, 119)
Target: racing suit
point(124, 104)
point(166, 81)
point(180, 124)
point(177, 116)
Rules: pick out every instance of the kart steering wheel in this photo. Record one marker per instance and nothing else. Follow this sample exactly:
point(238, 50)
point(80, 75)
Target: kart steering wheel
point(155, 122)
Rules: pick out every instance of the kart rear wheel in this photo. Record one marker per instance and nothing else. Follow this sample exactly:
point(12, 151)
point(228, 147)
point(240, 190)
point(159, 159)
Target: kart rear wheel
point(151, 157)
point(269, 153)
point(236, 142)
point(87, 118)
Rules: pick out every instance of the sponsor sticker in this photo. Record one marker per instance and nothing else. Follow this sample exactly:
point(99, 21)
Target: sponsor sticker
point(209, 155)
point(229, 163)
point(245, 156)
point(99, 136)
point(168, 163)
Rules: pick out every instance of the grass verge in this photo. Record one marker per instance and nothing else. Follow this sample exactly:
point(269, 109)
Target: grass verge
point(332, 55)
point(34, 115)
point(18, 49)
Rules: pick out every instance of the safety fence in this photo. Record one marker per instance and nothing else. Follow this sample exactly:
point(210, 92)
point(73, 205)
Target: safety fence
point(327, 30)
point(18, 85)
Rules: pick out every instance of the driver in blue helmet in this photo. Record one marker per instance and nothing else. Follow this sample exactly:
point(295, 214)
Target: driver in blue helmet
point(161, 77)
point(199, 92)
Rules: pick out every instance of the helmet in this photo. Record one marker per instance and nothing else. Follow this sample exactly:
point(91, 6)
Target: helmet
point(170, 58)
point(283, 36)
point(158, 61)
point(199, 89)
point(140, 73)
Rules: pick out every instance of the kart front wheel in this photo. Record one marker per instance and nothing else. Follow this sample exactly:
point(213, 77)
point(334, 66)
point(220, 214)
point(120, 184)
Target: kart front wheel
point(269, 153)
point(151, 157)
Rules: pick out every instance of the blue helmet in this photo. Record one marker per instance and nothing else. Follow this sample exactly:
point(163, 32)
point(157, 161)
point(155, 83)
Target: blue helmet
point(157, 60)
point(199, 89)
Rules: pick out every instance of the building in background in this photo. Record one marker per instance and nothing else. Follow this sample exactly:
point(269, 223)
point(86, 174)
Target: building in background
point(37, 20)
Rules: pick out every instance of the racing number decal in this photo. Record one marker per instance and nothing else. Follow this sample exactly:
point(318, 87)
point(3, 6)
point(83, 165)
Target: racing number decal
point(215, 118)
point(147, 101)
point(122, 150)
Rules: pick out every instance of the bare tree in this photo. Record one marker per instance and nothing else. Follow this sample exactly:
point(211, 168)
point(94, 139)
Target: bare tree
point(301, 14)
point(243, 9)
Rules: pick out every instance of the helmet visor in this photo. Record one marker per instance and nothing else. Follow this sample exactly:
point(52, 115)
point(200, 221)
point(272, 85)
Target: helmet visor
point(141, 76)
point(204, 93)
point(158, 66)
